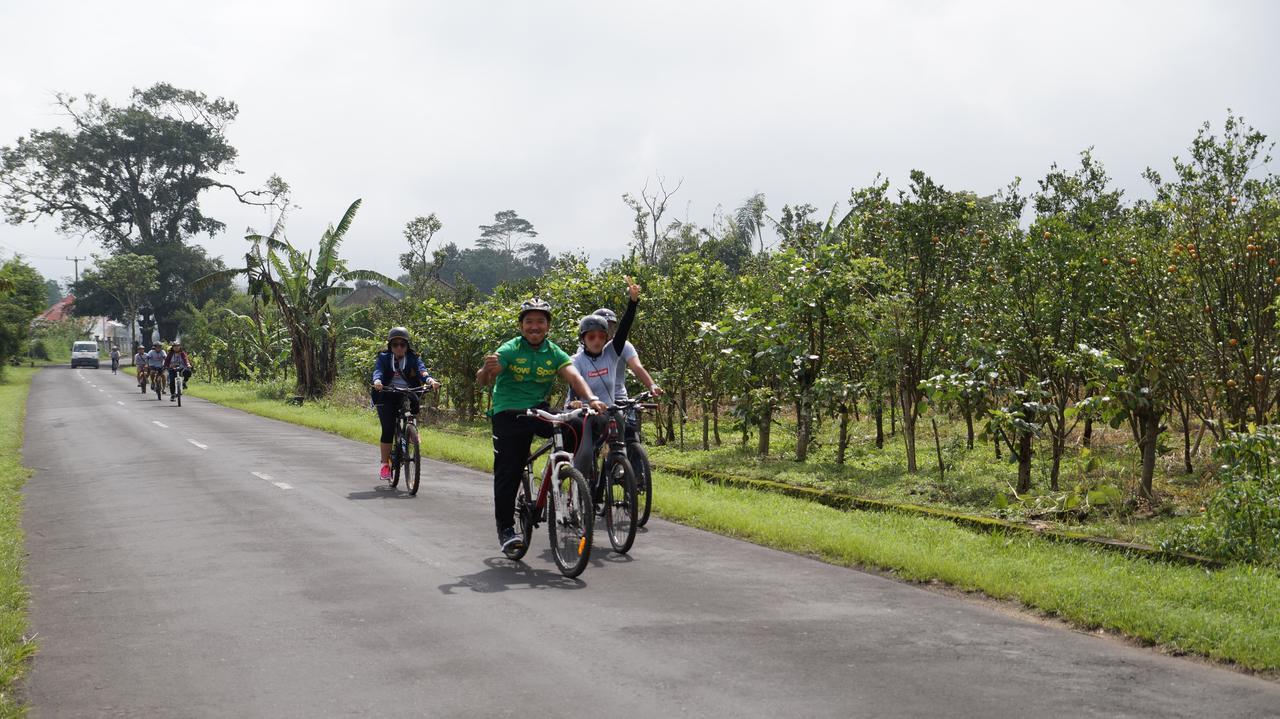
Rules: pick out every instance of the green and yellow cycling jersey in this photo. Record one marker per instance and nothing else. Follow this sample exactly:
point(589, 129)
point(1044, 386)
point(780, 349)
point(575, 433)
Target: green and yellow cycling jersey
point(528, 373)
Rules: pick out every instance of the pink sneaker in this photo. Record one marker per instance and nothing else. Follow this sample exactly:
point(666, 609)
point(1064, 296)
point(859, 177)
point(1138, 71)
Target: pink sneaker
point(385, 473)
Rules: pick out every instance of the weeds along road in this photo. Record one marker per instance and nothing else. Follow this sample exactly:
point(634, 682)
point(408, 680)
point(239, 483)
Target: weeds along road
point(199, 561)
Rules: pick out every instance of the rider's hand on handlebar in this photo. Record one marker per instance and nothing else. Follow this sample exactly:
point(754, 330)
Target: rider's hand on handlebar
point(491, 364)
point(377, 384)
point(656, 391)
point(434, 384)
point(575, 404)
point(599, 406)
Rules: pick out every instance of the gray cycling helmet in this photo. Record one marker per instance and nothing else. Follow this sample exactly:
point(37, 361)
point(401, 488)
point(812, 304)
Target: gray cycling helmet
point(536, 304)
point(608, 314)
point(400, 332)
point(591, 323)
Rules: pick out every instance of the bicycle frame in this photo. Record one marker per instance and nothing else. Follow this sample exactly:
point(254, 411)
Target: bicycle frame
point(557, 458)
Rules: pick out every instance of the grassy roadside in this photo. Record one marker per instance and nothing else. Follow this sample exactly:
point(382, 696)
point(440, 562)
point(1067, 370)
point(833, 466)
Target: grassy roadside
point(15, 650)
point(1231, 614)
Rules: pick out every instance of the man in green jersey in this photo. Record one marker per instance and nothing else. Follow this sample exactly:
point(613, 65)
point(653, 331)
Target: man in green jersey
point(523, 371)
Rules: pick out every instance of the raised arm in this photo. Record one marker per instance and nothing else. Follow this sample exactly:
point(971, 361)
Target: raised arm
point(628, 317)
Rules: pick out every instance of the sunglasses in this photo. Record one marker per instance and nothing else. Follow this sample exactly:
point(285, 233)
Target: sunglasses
point(399, 343)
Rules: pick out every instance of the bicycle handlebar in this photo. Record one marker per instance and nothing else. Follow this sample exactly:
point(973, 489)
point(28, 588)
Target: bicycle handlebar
point(640, 401)
point(562, 418)
point(406, 390)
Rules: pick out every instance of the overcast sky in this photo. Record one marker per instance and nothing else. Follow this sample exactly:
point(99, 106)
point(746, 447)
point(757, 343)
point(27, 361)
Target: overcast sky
point(554, 109)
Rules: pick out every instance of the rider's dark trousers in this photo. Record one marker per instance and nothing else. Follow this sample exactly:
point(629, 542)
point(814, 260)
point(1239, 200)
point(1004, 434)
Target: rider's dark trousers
point(511, 438)
point(186, 375)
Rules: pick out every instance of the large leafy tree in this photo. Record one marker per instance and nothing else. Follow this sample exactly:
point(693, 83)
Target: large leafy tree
point(122, 282)
point(302, 286)
point(131, 176)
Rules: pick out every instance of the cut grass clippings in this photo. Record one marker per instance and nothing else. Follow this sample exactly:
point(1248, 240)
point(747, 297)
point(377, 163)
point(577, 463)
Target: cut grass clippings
point(15, 648)
point(1230, 614)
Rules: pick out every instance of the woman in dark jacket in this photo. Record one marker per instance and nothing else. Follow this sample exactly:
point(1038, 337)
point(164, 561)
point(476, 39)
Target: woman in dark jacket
point(400, 367)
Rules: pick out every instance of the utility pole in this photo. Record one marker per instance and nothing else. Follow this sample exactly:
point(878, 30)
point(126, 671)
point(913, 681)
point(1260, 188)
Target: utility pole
point(76, 260)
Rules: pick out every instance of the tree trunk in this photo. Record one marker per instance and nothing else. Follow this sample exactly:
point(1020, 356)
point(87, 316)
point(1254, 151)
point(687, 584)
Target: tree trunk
point(893, 418)
point(706, 426)
point(1059, 446)
point(671, 421)
point(995, 441)
point(909, 428)
point(1087, 435)
point(804, 420)
point(843, 445)
point(968, 423)
point(766, 426)
point(856, 416)
point(715, 419)
point(1186, 437)
point(1150, 424)
point(684, 412)
point(1025, 449)
point(878, 411)
point(937, 444)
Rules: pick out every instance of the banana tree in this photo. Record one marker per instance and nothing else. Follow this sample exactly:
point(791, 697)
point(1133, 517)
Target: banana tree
point(303, 287)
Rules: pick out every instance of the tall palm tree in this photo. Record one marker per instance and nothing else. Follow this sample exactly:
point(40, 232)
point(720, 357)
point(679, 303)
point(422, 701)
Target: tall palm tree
point(749, 218)
point(303, 287)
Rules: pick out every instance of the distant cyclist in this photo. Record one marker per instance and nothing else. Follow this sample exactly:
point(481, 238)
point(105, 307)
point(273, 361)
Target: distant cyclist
point(523, 372)
point(400, 367)
point(178, 363)
point(155, 362)
point(115, 359)
point(140, 365)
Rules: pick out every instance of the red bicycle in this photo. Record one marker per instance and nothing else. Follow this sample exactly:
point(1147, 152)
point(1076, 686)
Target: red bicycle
point(563, 500)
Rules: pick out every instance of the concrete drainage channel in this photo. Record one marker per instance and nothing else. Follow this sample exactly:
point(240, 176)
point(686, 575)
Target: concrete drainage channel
point(848, 502)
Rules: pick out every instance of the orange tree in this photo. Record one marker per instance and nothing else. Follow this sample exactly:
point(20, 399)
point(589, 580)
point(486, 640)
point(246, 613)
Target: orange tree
point(1224, 215)
point(1144, 328)
point(926, 242)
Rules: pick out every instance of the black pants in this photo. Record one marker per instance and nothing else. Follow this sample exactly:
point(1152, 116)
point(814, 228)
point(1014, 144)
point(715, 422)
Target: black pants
point(587, 442)
point(512, 435)
point(387, 414)
point(186, 375)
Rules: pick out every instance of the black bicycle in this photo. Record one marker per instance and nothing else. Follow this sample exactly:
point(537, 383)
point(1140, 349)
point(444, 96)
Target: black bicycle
point(615, 483)
point(563, 499)
point(406, 458)
point(639, 456)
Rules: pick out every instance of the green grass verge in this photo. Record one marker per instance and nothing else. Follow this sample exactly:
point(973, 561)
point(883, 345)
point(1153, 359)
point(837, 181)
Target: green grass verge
point(1231, 614)
point(15, 649)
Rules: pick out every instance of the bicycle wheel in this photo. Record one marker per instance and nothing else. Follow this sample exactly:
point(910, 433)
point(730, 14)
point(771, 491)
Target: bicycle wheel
point(524, 517)
point(155, 381)
point(644, 481)
point(177, 391)
point(569, 521)
point(397, 452)
point(620, 503)
point(412, 460)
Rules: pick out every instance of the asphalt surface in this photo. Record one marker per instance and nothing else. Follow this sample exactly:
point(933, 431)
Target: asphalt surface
point(203, 562)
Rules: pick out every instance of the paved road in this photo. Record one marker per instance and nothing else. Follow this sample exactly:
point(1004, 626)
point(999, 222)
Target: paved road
point(204, 562)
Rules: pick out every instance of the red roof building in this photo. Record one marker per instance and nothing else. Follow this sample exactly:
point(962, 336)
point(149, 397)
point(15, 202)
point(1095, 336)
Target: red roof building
point(60, 310)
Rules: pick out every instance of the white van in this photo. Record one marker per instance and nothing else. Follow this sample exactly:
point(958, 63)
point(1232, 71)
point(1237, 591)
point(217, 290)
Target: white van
point(84, 353)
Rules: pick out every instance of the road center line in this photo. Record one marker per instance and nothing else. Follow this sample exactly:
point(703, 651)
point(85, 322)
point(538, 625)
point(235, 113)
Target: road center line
point(120, 403)
point(201, 446)
point(262, 475)
point(158, 423)
point(283, 485)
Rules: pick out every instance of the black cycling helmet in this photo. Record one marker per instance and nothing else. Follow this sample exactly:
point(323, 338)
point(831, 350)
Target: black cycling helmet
point(608, 314)
point(536, 304)
point(400, 332)
point(591, 323)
